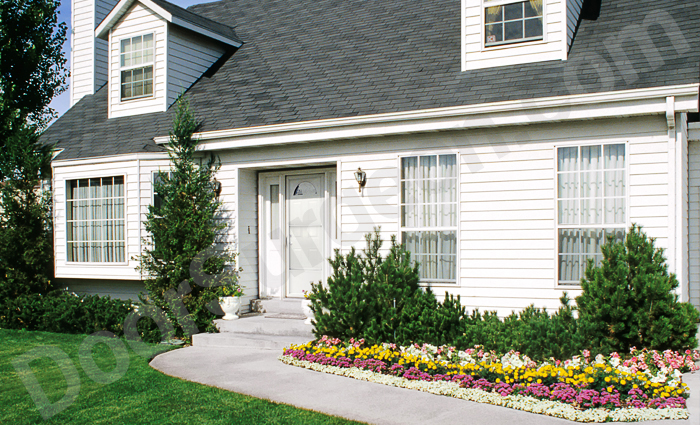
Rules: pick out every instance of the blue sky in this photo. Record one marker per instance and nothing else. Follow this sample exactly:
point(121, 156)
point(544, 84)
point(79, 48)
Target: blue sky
point(62, 102)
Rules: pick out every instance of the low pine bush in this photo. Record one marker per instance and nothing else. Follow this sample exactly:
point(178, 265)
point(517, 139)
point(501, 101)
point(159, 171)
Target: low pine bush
point(378, 298)
point(630, 300)
point(627, 301)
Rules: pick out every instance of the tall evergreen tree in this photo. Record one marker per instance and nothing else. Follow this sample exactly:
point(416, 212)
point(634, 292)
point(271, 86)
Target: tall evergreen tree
point(184, 234)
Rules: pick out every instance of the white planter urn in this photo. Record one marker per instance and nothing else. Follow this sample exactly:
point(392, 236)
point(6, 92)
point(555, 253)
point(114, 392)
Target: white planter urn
point(306, 308)
point(230, 306)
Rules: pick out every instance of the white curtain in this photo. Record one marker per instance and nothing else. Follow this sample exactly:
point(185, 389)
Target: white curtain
point(429, 200)
point(600, 199)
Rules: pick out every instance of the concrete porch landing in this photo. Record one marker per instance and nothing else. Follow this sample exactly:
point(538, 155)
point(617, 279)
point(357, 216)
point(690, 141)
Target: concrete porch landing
point(281, 325)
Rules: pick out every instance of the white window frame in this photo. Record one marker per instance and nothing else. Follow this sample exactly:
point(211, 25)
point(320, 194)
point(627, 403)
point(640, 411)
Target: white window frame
point(142, 65)
point(557, 226)
point(514, 43)
point(123, 219)
point(456, 229)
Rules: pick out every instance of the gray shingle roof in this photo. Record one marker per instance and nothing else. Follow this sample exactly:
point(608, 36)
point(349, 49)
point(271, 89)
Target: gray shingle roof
point(198, 20)
point(315, 59)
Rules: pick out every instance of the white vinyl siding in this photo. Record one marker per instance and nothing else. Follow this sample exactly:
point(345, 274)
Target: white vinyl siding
point(477, 55)
point(88, 54)
point(245, 186)
point(138, 21)
point(507, 192)
point(189, 56)
point(429, 214)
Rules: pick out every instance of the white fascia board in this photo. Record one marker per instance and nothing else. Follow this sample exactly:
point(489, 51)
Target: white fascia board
point(564, 108)
point(108, 159)
point(192, 27)
point(102, 31)
point(694, 131)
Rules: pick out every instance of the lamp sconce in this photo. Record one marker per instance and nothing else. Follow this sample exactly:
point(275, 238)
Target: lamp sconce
point(361, 178)
point(216, 186)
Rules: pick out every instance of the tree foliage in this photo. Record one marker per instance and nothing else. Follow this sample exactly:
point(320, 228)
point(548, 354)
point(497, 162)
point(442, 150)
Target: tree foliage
point(630, 300)
point(26, 243)
point(182, 259)
point(32, 65)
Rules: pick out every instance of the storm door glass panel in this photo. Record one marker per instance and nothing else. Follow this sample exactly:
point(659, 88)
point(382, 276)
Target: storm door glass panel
point(274, 211)
point(305, 209)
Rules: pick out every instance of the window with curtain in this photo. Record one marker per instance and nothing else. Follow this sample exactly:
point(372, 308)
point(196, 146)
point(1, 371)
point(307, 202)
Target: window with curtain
point(591, 204)
point(513, 23)
point(429, 214)
point(95, 220)
point(136, 61)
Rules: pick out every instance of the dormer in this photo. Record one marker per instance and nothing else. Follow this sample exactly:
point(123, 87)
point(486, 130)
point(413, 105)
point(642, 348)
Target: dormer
point(512, 32)
point(156, 51)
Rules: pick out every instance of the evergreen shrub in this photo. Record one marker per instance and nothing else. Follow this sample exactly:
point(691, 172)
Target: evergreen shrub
point(378, 298)
point(64, 312)
point(630, 300)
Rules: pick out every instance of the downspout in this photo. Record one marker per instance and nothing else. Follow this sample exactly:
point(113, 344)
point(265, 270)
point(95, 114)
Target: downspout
point(672, 249)
point(138, 197)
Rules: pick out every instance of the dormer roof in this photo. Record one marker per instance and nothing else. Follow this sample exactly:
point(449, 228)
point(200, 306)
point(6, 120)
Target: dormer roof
point(175, 15)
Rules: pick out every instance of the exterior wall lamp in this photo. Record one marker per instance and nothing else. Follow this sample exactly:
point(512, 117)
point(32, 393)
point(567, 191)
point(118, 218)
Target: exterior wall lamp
point(216, 185)
point(361, 178)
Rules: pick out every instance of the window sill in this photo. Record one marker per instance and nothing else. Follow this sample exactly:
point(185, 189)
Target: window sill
point(129, 99)
point(513, 45)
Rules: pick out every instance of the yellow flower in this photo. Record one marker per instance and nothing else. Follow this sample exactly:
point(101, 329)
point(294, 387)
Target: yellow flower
point(623, 382)
point(607, 379)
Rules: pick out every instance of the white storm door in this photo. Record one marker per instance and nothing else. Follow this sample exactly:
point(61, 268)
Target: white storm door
point(274, 236)
point(306, 232)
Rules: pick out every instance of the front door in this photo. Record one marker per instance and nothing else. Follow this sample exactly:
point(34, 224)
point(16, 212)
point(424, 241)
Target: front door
point(306, 232)
point(296, 223)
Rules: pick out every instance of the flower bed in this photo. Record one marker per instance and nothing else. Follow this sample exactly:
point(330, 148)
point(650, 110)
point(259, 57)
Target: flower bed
point(647, 385)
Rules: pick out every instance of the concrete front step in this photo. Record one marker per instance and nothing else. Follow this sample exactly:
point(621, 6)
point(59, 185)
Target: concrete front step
point(283, 306)
point(261, 325)
point(266, 342)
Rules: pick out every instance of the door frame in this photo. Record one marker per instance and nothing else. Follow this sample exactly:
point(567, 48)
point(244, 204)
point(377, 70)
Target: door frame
point(330, 197)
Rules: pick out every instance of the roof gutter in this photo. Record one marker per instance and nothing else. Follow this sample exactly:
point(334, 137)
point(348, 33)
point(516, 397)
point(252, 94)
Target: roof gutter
point(649, 101)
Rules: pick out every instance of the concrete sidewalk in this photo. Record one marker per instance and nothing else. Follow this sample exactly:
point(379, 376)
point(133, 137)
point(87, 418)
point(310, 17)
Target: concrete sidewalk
point(257, 372)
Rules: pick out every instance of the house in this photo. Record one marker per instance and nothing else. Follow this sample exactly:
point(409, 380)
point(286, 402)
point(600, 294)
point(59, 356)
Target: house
point(501, 140)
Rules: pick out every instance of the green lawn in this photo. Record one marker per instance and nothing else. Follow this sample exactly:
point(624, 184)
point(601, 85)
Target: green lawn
point(141, 396)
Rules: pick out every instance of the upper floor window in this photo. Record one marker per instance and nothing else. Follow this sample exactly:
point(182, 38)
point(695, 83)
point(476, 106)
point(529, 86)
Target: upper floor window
point(95, 220)
point(591, 204)
point(513, 23)
point(136, 62)
point(429, 214)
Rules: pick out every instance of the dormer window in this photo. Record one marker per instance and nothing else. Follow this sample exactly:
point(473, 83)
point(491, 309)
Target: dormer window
point(136, 61)
point(512, 22)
